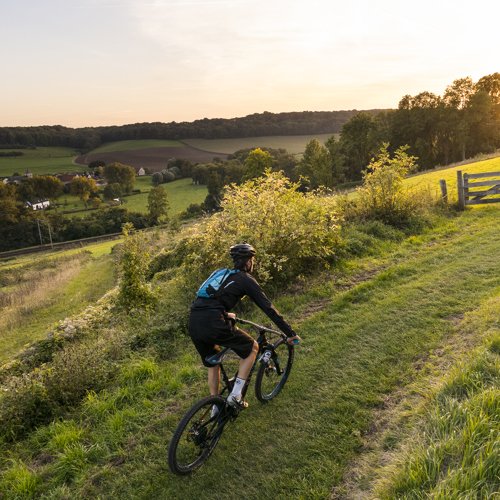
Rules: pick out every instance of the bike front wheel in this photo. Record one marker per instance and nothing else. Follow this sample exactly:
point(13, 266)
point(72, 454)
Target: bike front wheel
point(273, 375)
point(196, 435)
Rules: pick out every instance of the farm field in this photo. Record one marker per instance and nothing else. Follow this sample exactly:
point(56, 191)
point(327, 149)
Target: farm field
point(293, 144)
point(181, 194)
point(40, 161)
point(134, 145)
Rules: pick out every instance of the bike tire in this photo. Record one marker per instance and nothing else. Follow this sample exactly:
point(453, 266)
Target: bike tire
point(194, 439)
point(269, 381)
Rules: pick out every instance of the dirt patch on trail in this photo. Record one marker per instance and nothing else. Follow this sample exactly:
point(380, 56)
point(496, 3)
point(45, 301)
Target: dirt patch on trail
point(153, 158)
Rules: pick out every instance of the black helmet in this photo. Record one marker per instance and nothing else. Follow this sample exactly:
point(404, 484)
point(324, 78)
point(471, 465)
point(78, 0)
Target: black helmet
point(242, 251)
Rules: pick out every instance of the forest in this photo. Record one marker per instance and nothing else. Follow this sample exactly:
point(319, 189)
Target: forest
point(257, 124)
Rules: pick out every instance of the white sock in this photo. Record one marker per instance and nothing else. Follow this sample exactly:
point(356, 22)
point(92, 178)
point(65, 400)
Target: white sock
point(239, 383)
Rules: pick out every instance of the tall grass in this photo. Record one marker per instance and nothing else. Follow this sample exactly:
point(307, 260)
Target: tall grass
point(38, 292)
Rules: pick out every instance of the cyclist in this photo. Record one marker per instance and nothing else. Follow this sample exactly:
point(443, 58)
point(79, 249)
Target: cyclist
point(212, 325)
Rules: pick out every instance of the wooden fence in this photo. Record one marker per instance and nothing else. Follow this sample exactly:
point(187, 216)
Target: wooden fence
point(468, 197)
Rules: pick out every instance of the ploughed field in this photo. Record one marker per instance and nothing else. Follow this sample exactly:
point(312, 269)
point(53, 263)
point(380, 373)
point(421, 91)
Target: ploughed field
point(154, 158)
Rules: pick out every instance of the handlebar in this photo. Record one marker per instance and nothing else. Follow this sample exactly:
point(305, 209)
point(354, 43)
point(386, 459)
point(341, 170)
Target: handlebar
point(264, 328)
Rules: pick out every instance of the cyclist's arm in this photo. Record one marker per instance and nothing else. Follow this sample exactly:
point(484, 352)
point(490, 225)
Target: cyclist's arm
point(255, 292)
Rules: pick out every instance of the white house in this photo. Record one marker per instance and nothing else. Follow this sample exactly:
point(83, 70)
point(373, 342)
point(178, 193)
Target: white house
point(38, 204)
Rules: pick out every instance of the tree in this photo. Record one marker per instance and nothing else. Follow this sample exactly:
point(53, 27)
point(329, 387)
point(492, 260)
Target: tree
point(7, 191)
point(51, 188)
point(123, 174)
point(96, 163)
point(82, 188)
point(215, 187)
point(167, 176)
point(158, 204)
point(359, 139)
point(157, 179)
point(491, 85)
point(256, 164)
point(112, 191)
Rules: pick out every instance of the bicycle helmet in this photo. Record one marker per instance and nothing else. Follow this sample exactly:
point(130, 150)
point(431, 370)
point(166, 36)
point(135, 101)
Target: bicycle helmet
point(242, 251)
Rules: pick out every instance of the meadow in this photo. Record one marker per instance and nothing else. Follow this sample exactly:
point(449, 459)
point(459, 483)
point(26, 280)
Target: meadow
point(40, 161)
point(133, 145)
point(293, 144)
point(486, 163)
point(181, 194)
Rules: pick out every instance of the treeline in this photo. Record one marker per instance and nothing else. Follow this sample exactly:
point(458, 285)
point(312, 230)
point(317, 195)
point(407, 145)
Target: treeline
point(257, 124)
point(20, 227)
point(438, 130)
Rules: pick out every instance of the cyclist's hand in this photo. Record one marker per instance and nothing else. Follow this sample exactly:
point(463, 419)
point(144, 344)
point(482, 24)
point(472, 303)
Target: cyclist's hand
point(230, 315)
point(293, 340)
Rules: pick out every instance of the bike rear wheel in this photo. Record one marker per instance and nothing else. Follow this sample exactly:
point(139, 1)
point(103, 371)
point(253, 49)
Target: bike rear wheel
point(273, 375)
point(196, 436)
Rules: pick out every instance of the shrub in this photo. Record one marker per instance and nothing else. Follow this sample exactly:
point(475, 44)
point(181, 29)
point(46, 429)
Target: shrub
point(134, 291)
point(37, 397)
point(382, 196)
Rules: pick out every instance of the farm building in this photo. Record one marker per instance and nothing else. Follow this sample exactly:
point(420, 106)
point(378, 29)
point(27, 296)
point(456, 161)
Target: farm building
point(38, 204)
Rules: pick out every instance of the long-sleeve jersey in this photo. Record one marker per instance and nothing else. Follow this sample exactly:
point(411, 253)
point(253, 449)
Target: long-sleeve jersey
point(237, 286)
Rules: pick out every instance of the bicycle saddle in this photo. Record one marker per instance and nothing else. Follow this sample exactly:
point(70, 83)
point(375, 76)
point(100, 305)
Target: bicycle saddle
point(217, 359)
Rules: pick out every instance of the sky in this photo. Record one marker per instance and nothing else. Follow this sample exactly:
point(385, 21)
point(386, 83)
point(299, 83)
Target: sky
point(112, 62)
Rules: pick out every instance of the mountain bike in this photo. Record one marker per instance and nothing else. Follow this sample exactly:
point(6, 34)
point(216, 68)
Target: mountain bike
point(201, 427)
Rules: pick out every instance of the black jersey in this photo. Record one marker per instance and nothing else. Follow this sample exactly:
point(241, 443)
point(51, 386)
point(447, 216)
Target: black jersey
point(235, 288)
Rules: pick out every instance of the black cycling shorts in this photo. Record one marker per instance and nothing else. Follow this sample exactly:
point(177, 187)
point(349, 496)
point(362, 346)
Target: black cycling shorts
point(209, 329)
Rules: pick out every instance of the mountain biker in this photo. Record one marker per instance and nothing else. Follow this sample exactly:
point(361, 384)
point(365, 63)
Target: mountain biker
point(211, 324)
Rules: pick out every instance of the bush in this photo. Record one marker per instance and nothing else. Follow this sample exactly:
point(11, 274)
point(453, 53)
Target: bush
point(36, 398)
point(382, 196)
point(290, 231)
point(134, 291)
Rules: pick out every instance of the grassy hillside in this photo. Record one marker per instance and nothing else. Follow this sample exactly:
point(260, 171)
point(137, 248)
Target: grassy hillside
point(371, 329)
point(381, 335)
point(293, 144)
point(449, 174)
point(40, 161)
point(181, 194)
point(134, 145)
point(37, 291)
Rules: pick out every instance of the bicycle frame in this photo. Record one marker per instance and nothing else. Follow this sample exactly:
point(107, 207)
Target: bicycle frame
point(264, 345)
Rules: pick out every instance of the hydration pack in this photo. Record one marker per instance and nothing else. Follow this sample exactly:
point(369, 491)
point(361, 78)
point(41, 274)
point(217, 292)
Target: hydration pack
point(212, 285)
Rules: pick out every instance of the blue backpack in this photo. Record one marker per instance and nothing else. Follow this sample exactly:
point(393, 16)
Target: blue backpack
point(212, 285)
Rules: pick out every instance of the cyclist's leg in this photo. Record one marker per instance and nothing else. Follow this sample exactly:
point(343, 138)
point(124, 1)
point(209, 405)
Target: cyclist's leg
point(214, 379)
point(247, 363)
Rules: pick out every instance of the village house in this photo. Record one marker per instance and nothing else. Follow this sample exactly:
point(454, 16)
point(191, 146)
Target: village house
point(37, 204)
point(16, 179)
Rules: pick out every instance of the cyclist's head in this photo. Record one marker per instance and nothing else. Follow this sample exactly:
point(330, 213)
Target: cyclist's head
point(241, 254)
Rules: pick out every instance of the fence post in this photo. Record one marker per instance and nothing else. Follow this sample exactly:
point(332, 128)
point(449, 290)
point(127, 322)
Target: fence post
point(444, 190)
point(460, 189)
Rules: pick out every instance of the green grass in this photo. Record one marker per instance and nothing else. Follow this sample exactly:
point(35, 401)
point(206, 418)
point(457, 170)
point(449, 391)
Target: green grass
point(431, 178)
point(373, 318)
point(95, 278)
point(294, 144)
point(41, 161)
point(181, 194)
point(133, 145)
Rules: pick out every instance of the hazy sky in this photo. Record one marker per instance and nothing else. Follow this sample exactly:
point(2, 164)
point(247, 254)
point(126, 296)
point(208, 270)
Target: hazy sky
point(111, 62)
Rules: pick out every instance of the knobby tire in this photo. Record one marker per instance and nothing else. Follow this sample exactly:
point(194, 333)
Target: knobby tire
point(194, 439)
point(269, 381)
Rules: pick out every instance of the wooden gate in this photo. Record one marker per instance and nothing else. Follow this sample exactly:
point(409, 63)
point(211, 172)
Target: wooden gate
point(468, 197)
